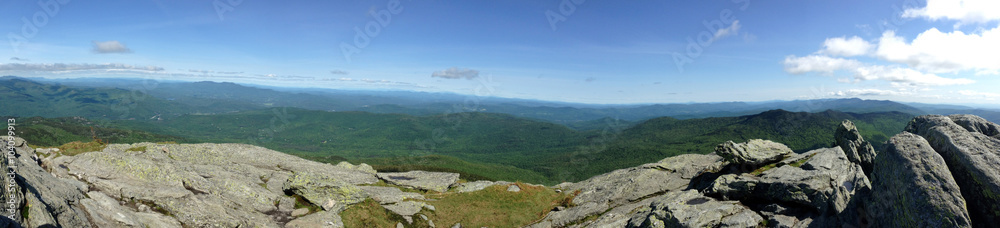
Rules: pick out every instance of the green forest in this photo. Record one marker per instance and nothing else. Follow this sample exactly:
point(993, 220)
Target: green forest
point(477, 145)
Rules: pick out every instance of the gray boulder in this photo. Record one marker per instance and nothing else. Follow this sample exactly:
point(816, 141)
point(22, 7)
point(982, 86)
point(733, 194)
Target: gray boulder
point(827, 184)
point(976, 124)
point(692, 209)
point(431, 181)
point(857, 149)
point(754, 152)
point(912, 187)
point(973, 158)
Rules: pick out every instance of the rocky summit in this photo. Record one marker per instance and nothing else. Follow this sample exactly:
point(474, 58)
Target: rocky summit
point(942, 171)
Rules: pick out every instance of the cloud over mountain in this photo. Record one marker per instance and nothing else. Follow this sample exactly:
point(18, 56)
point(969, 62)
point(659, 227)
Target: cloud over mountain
point(456, 73)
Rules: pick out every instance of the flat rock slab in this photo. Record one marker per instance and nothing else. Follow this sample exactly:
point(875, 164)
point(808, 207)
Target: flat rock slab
point(692, 209)
point(477, 185)
point(431, 181)
point(754, 152)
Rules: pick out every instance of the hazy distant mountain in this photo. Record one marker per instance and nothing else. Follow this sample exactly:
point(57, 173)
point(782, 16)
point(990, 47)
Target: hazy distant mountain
point(225, 97)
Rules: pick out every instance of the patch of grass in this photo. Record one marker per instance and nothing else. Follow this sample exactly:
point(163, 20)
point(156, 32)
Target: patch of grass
point(303, 203)
point(370, 214)
point(803, 161)
point(137, 149)
point(77, 147)
point(382, 183)
point(167, 142)
point(496, 207)
point(25, 210)
point(761, 170)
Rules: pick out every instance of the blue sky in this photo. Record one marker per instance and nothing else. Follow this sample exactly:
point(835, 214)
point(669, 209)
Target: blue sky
point(572, 50)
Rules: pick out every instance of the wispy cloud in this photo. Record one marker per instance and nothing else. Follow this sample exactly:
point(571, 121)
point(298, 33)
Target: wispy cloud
point(339, 72)
point(979, 95)
point(15, 67)
point(18, 59)
point(868, 92)
point(733, 29)
point(456, 73)
point(867, 72)
point(107, 47)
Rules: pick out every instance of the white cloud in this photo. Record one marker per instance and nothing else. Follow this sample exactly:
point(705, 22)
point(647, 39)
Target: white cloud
point(817, 63)
point(110, 47)
point(841, 46)
point(868, 92)
point(340, 72)
point(21, 67)
point(939, 52)
point(18, 59)
point(963, 11)
point(733, 29)
point(864, 72)
point(456, 73)
point(979, 95)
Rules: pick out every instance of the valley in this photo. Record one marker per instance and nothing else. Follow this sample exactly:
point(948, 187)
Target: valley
point(478, 145)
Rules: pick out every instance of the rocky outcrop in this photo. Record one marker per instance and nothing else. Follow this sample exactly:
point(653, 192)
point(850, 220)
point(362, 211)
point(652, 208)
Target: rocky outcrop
point(943, 174)
point(855, 147)
point(755, 152)
point(913, 187)
point(827, 183)
point(54, 201)
point(625, 186)
point(971, 149)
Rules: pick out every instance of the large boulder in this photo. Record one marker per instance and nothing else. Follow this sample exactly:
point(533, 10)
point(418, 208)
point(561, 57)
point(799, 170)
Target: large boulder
point(431, 181)
point(912, 187)
point(624, 186)
point(692, 209)
point(857, 149)
point(755, 152)
point(827, 184)
point(971, 149)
